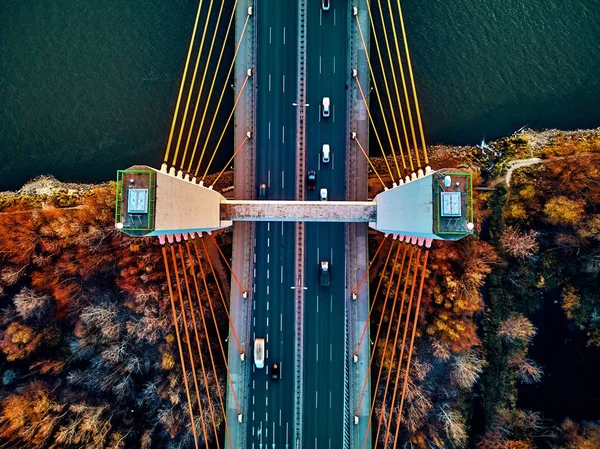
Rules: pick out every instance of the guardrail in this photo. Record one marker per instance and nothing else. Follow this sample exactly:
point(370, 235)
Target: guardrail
point(300, 196)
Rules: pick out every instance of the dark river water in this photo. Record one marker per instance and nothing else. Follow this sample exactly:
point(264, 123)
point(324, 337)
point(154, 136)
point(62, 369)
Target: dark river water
point(87, 87)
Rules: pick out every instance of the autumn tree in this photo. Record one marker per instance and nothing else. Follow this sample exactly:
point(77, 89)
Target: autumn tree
point(562, 211)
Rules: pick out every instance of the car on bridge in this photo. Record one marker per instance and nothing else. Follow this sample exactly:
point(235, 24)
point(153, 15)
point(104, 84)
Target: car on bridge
point(275, 371)
point(325, 273)
point(262, 192)
point(326, 106)
point(323, 194)
point(311, 180)
point(259, 352)
point(326, 153)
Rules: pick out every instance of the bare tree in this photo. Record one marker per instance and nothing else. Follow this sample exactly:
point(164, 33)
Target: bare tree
point(521, 245)
point(517, 328)
point(466, 369)
point(526, 369)
point(454, 425)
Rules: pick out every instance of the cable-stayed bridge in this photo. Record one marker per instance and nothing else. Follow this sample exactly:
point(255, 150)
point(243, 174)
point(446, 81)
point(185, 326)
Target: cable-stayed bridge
point(307, 80)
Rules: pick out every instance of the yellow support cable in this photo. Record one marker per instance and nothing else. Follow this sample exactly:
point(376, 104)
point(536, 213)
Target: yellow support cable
point(187, 62)
point(218, 102)
point(385, 122)
point(387, 89)
point(206, 67)
point(191, 89)
point(403, 78)
point(392, 69)
point(369, 161)
point(223, 132)
point(374, 129)
point(230, 159)
point(412, 81)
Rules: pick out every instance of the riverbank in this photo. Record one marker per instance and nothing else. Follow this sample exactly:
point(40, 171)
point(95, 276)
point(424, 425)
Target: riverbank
point(482, 345)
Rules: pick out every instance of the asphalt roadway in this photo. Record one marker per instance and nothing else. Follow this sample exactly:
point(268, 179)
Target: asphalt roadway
point(327, 75)
point(271, 404)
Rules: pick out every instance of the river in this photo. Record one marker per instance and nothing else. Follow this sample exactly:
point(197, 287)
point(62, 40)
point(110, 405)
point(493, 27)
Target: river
point(90, 87)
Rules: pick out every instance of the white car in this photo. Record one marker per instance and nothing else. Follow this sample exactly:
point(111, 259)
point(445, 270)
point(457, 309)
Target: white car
point(325, 5)
point(325, 153)
point(326, 104)
point(323, 194)
point(259, 353)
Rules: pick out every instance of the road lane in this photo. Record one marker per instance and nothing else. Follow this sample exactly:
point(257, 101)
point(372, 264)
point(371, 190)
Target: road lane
point(271, 408)
point(324, 377)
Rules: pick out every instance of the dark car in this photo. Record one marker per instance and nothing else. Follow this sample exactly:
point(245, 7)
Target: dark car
point(275, 371)
point(262, 192)
point(311, 180)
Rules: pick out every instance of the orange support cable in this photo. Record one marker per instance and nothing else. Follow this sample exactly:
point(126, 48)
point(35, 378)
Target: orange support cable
point(212, 361)
point(227, 263)
point(408, 311)
point(410, 351)
point(383, 358)
point(189, 296)
point(369, 267)
point(185, 328)
point(230, 160)
point(384, 352)
point(192, 84)
point(377, 335)
point(191, 264)
point(183, 265)
point(366, 326)
point(182, 359)
point(187, 62)
point(212, 270)
point(407, 275)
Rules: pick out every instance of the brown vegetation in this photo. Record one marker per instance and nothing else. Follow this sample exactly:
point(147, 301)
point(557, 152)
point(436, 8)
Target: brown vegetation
point(85, 329)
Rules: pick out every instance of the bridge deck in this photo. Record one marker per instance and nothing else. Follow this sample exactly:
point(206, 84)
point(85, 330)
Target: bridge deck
point(321, 211)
